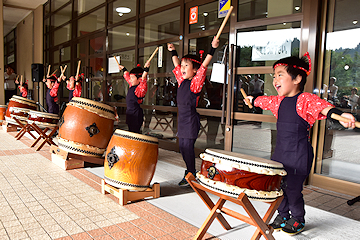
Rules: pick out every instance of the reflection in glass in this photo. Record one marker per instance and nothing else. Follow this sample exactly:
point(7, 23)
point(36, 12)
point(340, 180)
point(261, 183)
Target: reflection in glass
point(207, 18)
point(341, 84)
point(148, 5)
point(62, 35)
point(62, 16)
point(57, 4)
point(56, 57)
point(211, 134)
point(91, 22)
point(86, 5)
point(65, 54)
point(265, 45)
point(96, 45)
point(115, 16)
point(122, 36)
point(96, 91)
point(160, 26)
point(264, 8)
point(96, 67)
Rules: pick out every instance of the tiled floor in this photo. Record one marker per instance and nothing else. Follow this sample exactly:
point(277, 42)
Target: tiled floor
point(39, 200)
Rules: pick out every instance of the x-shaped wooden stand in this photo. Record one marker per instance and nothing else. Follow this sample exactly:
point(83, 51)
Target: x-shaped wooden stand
point(216, 211)
point(42, 135)
point(25, 128)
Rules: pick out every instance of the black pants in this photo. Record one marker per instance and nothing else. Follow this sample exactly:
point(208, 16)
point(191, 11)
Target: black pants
point(187, 149)
point(293, 202)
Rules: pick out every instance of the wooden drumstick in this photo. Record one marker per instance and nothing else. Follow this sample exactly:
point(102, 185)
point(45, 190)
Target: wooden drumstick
point(245, 97)
point(54, 72)
point(48, 72)
point(77, 71)
point(224, 23)
point(117, 61)
point(62, 71)
point(153, 54)
point(343, 119)
point(21, 80)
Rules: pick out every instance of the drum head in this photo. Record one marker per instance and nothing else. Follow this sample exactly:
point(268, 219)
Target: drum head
point(136, 136)
point(244, 162)
point(43, 114)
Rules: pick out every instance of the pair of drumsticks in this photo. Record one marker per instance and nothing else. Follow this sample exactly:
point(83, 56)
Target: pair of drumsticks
point(63, 71)
point(333, 115)
point(151, 57)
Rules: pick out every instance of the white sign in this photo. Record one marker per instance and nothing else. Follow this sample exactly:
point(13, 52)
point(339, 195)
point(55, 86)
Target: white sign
point(113, 66)
point(11, 58)
point(160, 56)
point(271, 51)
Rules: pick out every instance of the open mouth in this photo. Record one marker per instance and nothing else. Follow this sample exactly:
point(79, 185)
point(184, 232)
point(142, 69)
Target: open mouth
point(277, 87)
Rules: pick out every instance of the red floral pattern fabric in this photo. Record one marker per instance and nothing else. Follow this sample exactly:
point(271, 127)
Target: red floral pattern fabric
point(197, 82)
point(308, 106)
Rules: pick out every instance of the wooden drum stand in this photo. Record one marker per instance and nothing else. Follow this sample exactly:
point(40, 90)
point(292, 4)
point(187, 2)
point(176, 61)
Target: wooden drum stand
point(216, 211)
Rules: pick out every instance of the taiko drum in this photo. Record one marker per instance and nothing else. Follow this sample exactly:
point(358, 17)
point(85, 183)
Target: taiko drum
point(86, 127)
point(130, 160)
point(42, 119)
point(19, 102)
point(233, 173)
point(2, 113)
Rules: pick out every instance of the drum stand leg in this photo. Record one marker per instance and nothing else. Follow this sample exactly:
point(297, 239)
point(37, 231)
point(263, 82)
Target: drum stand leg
point(8, 127)
point(67, 160)
point(42, 135)
point(216, 211)
point(126, 196)
point(24, 129)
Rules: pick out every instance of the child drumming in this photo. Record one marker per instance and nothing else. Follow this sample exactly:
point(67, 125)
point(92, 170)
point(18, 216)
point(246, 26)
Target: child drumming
point(296, 112)
point(52, 83)
point(138, 88)
point(74, 86)
point(23, 87)
point(190, 74)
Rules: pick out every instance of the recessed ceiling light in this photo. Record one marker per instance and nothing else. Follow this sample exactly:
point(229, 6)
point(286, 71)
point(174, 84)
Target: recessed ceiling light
point(123, 10)
point(355, 22)
point(297, 8)
point(205, 14)
point(127, 34)
point(284, 23)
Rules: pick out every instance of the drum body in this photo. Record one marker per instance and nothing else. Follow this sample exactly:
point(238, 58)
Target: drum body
point(233, 173)
point(42, 119)
point(130, 160)
point(20, 113)
point(86, 127)
point(2, 113)
point(18, 102)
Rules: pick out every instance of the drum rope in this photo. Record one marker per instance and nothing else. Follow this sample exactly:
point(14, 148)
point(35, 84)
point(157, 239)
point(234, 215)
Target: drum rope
point(243, 162)
point(93, 106)
point(232, 193)
point(125, 183)
point(79, 150)
point(135, 138)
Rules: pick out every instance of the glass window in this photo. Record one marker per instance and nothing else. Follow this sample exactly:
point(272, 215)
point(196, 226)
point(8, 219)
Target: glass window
point(46, 25)
point(121, 10)
point(57, 4)
point(262, 46)
point(122, 36)
point(65, 54)
point(207, 18)
point(96, 67)
point(148, 5)
point(47, 8)
point(96, 91)
point(86, 5)
point(11, 46)
point(255, 9)
point(159, 26)
point(91, 22)
point(81, 49)
point(97, 45)
point(62, 16)
point(56, 57)
point(10, 36)
point(341, 85)
point(62, 34)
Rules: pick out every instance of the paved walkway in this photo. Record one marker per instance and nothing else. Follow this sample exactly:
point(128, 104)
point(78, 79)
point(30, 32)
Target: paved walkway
point(39, 200)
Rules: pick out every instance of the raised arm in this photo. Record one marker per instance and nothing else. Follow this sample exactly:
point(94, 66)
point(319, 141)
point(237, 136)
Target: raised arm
point(146, 70)
point(214, 45)
point(175, 57)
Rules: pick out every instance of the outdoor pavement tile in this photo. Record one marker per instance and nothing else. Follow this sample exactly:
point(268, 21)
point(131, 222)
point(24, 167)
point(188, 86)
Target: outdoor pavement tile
point(97, 232)
point(81, 236)
point(41, 237)
point(180, 235)
point(125, 225)
point(133, 231)
point(18, 235)
point(119, 235)
point(90, 227)
point(105, 237)
point(104, 223)
point(111, 229)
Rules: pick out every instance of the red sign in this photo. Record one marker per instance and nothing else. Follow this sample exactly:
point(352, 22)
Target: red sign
point(193, 18)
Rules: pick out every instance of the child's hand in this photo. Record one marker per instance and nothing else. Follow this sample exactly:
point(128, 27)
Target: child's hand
point(250, 98)
point(170, 47)
point(147, 64)
point(215, 43)
point(351, 123)
point(63, 78)
point(121, 67)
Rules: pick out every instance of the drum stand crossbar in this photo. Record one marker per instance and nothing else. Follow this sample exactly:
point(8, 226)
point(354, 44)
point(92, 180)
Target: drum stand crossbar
point(216, 211)
point(126, 196)
point(47, 138)
point(25, 128)
point(67, 160)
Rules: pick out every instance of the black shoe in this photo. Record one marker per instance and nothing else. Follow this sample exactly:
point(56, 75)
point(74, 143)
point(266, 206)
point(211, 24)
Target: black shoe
point(279, 222)
point(293, 226)
point(183, 182)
